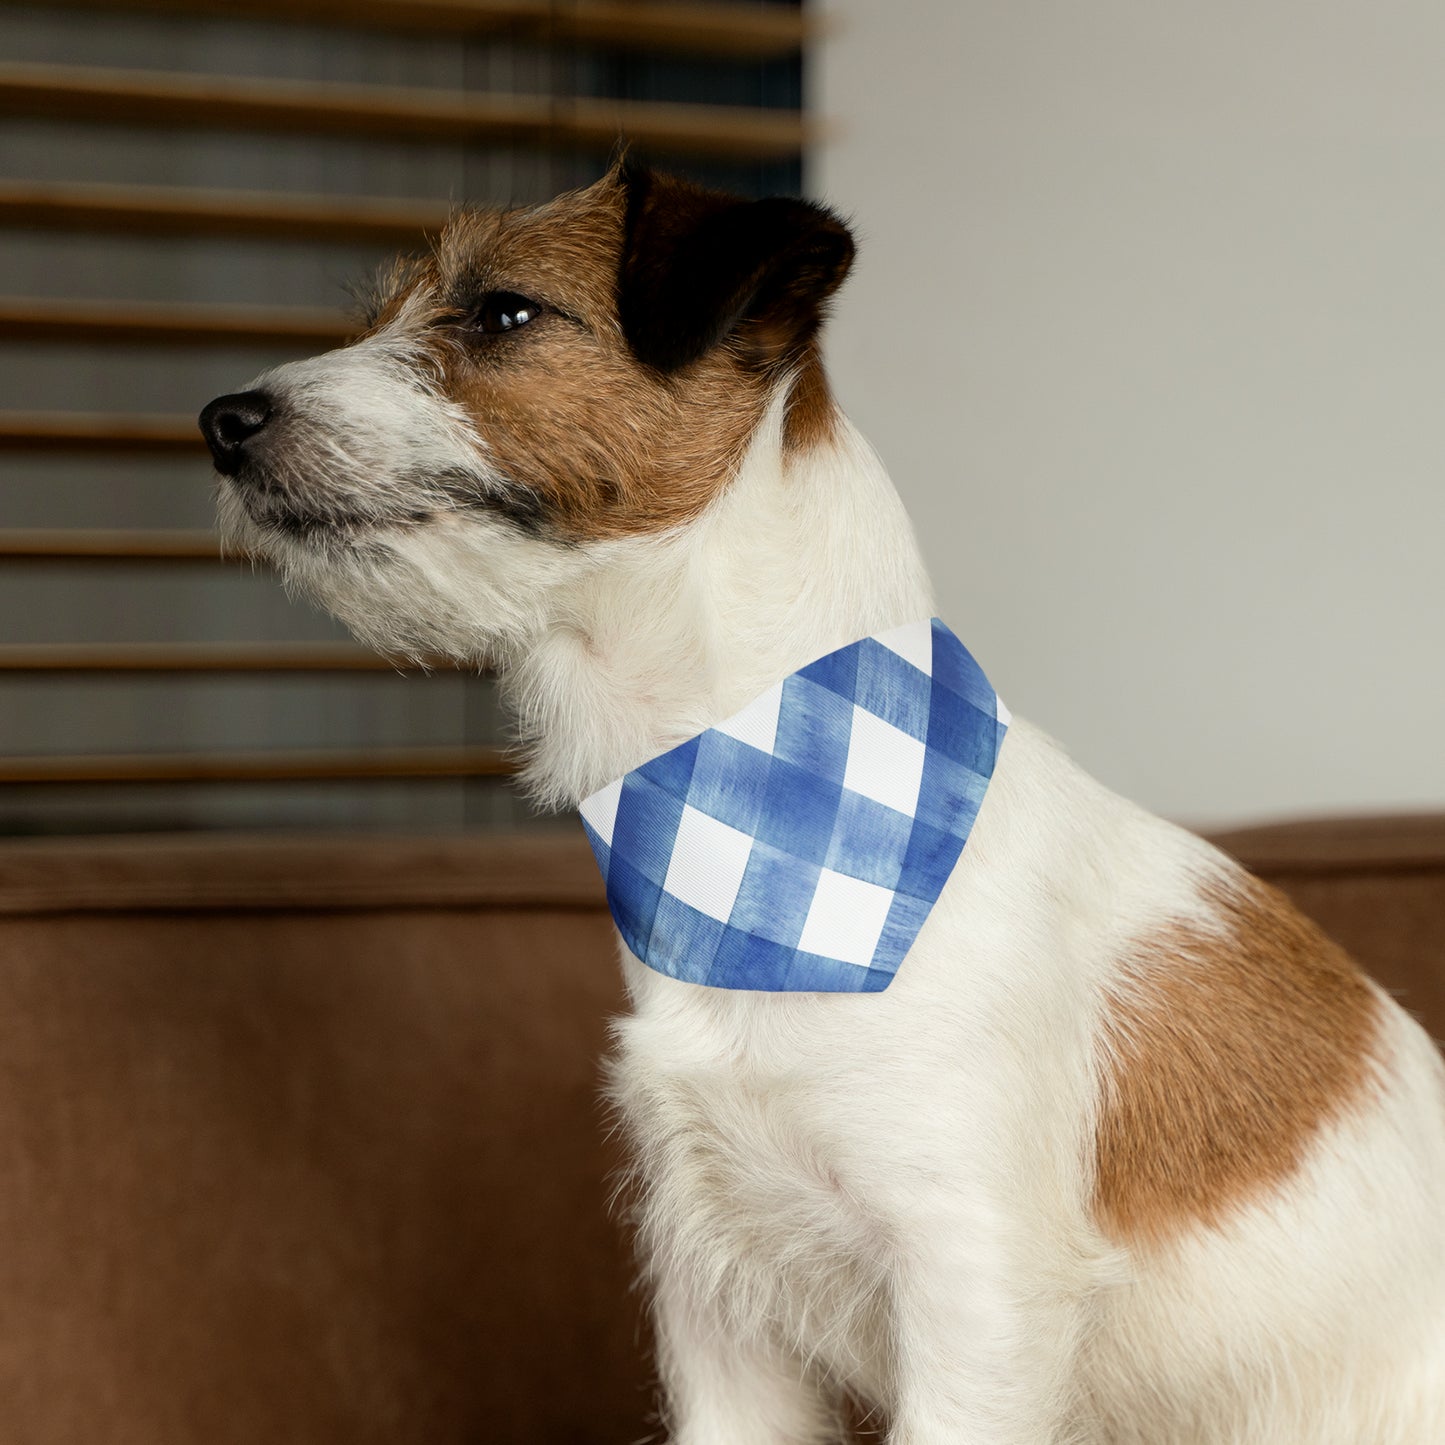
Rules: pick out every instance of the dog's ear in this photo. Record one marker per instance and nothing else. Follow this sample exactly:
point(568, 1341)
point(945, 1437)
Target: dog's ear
point(699, 266)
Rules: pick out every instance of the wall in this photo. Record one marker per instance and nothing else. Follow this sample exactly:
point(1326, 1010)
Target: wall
point(1149, 323)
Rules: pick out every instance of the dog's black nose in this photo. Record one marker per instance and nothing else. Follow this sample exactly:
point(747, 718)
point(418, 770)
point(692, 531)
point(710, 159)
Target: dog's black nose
point(229, 422)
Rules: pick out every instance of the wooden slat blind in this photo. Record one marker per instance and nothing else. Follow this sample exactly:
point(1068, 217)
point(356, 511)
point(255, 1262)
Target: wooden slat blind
point(131, 657)
point(326, 108)
point(711, 29)
point(110, 96)
point(92, 544)
point(95, 322)
point(76, 431)
point(278, 766)
point(173, 211)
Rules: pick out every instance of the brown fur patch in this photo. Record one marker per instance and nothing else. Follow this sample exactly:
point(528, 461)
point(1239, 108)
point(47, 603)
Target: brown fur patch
point(608, 446)
point(812, 413)
point(605, 445)
point(1226, 1052)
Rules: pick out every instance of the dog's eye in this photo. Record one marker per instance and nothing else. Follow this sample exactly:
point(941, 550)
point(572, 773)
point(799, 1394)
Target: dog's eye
point(504, 311)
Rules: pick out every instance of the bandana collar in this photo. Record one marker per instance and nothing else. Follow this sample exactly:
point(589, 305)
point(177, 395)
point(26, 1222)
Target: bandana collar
point(800, 845)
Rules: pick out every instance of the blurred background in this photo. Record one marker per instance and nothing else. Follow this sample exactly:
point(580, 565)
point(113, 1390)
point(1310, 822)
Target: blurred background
point(1146, 323)
point(187, 191)
point(1149, 324)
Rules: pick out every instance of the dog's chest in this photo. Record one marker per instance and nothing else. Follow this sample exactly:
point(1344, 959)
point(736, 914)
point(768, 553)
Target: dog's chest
point(743, 1146)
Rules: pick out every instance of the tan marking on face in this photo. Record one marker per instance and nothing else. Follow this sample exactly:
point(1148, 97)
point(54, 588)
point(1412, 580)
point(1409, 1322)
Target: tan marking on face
point(1226, 1054)
point(609, 446)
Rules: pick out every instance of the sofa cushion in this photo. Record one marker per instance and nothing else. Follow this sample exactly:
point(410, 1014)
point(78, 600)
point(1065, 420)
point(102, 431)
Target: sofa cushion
point(303, 1138)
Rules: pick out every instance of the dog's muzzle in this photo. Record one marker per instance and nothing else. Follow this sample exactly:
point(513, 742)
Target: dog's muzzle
point(230, 422)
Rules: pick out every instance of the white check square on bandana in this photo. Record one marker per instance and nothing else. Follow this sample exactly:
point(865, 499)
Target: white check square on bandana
point(845, 919)
point(800, 844)
point(757, 723)
point(707, 865)
point(883, 763)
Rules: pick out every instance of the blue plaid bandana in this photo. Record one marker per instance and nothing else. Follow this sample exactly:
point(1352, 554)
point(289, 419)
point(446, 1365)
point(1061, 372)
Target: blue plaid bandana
point(800, 845)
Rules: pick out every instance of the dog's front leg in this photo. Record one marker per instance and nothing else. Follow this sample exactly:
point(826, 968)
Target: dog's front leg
point(721, 1387)
point(984, 1350)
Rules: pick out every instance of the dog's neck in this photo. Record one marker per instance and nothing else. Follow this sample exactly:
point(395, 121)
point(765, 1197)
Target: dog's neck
point(803, 553)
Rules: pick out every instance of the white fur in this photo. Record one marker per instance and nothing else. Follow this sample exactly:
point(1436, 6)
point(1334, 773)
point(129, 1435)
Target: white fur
point(890, 1194)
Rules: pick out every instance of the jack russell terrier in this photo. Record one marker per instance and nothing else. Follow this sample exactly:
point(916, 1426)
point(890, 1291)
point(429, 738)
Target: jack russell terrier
point(956, 1085)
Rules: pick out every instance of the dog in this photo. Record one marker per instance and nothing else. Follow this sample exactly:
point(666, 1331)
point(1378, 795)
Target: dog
point(1127, 1153)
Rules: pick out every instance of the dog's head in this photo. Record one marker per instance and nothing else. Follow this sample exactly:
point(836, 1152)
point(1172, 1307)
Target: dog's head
point(547, 383)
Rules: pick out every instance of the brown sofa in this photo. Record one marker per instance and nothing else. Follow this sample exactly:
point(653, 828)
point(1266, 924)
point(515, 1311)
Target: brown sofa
point(300, 1139)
